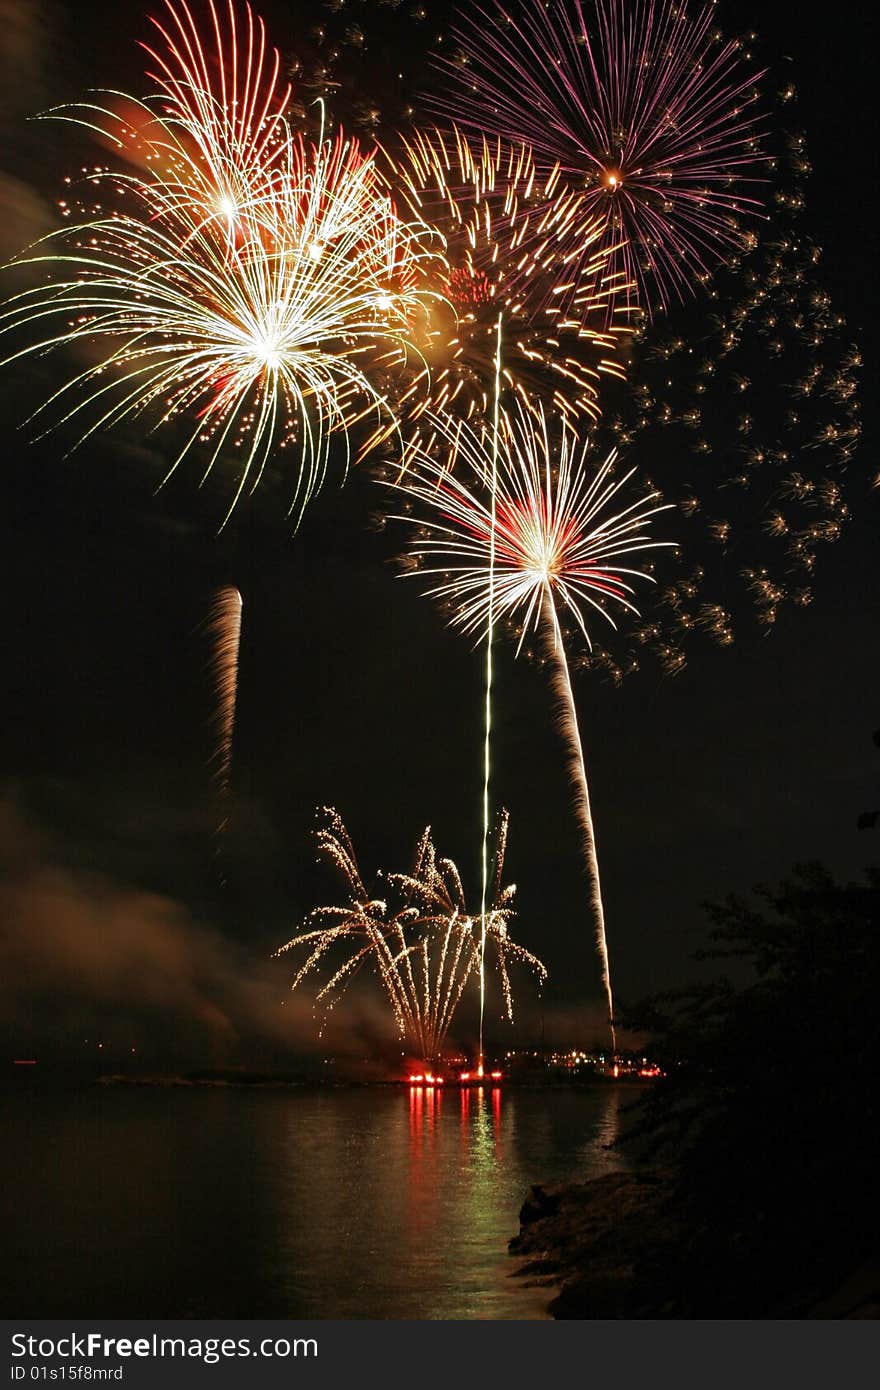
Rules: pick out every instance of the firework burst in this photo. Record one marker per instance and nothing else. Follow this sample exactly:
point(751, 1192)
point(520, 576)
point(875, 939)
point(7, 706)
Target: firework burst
point(425, 947)
point(266, 329)
point(751, 419)
point(224, 105)
point(552, 537)
point(643, 106)
point(506, 232)
point(212, 138)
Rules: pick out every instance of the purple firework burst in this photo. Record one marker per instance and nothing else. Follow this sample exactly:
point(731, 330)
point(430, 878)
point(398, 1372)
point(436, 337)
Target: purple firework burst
point(645, 106)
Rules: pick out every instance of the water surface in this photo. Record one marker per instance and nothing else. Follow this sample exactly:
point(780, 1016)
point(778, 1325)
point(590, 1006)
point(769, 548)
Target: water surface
point(366, 1203)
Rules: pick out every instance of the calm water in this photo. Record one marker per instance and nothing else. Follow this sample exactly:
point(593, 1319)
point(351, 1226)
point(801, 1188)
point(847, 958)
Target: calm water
point(374, 1203)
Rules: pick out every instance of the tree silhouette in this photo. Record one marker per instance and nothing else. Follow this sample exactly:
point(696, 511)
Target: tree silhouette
point(768, 1102)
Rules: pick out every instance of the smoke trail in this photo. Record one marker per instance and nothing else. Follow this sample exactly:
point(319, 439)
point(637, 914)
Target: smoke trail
point(568, 726)
point(224, 632)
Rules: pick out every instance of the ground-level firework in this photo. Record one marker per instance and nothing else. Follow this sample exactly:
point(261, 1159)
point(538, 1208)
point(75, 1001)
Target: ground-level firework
point(527, 531)
point(419, 940)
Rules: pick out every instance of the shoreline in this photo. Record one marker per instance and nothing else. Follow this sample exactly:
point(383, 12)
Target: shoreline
point(584, 1240)
point(223, 1078)
point(610, 1247)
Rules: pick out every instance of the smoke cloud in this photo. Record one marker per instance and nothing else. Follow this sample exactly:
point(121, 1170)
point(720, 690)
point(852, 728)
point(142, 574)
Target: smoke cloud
point(83, 956)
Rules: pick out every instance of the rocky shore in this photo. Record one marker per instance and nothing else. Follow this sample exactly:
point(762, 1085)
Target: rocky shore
point(612, 1247)
point(589, 1240)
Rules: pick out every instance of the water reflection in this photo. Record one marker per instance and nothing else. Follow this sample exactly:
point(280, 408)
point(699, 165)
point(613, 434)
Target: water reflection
point(377, 1203)
point(425, 1104)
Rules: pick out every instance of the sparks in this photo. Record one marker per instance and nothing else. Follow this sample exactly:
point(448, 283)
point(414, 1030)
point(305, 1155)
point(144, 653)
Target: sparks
point(424, 946)
point(642, 107)
point(223, 106)
point(505, 231)
point(261, 306)
point(753, 422)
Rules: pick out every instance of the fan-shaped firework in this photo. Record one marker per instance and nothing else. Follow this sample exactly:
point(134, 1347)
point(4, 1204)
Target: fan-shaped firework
point(265, 328)
point(362, 925)
point(424, 948)
point(751, 420)
point(436, 888)
point(639, 103)
point(552, 536)
point(506, 233)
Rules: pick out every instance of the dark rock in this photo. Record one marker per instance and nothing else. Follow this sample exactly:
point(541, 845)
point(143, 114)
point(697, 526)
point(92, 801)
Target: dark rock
point(622, 1246)
point(540, 1203)
point(592, 1238)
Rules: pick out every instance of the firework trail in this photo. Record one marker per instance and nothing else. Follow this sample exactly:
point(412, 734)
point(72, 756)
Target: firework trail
point(506, 233)
point(647, 111)
point(547, 541)
point(224, 633)
point(265, 328)
point(424, 946)
point(570, 729)
point(500, 324)
point(487, 743)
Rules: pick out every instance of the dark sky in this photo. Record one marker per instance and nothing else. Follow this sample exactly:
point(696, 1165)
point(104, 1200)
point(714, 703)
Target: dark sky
point(352, 692)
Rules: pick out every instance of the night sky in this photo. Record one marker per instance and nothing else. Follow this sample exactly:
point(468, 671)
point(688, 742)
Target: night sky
point(354, 694)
